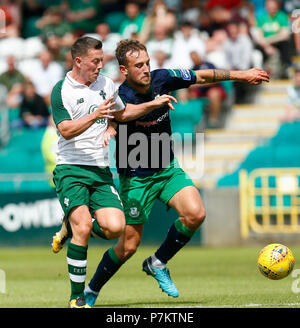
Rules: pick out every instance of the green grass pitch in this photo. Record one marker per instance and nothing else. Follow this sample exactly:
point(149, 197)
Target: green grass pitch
point(205, 277)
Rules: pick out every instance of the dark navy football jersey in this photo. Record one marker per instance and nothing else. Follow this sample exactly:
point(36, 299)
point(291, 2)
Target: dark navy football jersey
point(144, 145)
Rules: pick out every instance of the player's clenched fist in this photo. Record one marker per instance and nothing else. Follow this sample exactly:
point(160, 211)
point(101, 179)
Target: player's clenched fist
point(256, 76)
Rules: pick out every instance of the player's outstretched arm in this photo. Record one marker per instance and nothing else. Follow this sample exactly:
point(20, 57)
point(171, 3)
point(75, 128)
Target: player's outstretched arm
point(133, 112)
point(251, 76)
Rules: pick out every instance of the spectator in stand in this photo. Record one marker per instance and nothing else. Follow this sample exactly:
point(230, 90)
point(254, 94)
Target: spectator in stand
point(187, 39)
point(272, 35)
point(292, 7)
point(45, 74)
point(292, 112)
point(54, 45)
point(13, 81)
point(158, 14)
point(68, 62)
point(81, 14)
point(52, 22)
point(160, 60)
point(215, 93)
point(238, 48)
point(131, 26)
point(160, 42)
point(214, 49)
point(12, 75)
point(12, 12)
point(109, 43)
point(34, 111)
point(259, 7)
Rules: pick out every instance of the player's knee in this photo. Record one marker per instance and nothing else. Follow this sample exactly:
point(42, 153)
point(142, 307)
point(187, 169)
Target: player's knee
point(115, 229)
point(195, 218)
point(82, 230)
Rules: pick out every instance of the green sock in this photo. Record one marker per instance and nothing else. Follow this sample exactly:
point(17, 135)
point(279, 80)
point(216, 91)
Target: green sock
point(97, 231)
point(77, 260)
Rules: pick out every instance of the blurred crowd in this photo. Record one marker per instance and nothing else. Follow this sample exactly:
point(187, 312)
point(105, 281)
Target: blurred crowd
point(189, 34)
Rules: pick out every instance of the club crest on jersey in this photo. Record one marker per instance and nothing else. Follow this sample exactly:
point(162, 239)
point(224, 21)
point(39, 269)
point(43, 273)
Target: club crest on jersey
point(102, 93)
point(185, 74)
point(134, 212)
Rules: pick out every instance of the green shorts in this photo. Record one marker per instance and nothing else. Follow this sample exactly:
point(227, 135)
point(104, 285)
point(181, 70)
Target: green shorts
point(138, 194)
point(85, 185)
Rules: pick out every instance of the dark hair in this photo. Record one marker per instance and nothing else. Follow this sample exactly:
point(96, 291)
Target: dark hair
point(125, 46)
point(81, 46)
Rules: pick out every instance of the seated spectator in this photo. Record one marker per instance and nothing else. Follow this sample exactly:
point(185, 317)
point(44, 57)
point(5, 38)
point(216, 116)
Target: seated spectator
point(68, 62)
point(187, 39)
point(81, 14)
point(161, 60)
point(292, 112)
point(34, 111)
point(215, 53)
point(54, 45)
point(45, 74)
point(131, 26)
point(52, 22)
point(292, 9)
point(109, 44)
point(215, 93)
point(238, 48)
point(272, 36)
point(158, 14)
point(160, 42)
point(13, 80)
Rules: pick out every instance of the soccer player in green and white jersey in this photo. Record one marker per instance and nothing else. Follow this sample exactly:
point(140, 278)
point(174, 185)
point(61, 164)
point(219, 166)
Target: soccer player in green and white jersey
point(81, 104)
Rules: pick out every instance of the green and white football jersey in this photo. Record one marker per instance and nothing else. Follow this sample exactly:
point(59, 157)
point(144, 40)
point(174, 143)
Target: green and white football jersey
point(71, 100)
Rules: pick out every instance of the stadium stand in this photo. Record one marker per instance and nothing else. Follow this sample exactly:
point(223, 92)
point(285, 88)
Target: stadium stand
point(244, 126)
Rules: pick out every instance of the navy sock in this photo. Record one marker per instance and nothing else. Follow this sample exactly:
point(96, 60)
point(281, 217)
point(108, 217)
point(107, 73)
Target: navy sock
point(107, 267)
point(178, 236)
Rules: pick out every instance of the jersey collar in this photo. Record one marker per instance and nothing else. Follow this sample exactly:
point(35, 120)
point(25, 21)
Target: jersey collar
point(75, 83)
point(148, 92)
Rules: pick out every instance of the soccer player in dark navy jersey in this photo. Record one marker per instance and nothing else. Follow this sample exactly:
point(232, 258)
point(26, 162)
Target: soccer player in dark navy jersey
point(144, 180)
point(152, 124)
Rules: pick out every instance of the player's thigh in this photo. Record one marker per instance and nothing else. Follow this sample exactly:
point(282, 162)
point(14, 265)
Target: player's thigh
point(129, 241)
point(106, 207)
point(138, 196)
point(70, 188)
